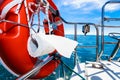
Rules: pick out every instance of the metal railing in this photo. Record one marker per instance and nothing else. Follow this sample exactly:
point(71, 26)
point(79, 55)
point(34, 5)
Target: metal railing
point(103, 19)
point(35, 69)
point(75, 35)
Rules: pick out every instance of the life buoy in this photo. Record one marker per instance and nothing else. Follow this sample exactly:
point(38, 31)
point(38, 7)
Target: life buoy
point(46, 26)
point(13, 39)
point(57, 27)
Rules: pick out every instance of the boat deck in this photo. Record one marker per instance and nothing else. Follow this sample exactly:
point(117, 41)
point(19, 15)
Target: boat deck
point(103, 70)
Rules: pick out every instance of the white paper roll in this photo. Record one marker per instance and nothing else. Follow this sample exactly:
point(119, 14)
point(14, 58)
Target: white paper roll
point(46, 44)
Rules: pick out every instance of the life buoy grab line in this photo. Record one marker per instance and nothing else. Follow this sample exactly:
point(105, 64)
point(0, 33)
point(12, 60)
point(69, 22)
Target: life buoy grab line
point(13, 40)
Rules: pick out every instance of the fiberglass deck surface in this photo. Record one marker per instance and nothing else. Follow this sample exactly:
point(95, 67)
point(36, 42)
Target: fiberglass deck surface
point(110, 71)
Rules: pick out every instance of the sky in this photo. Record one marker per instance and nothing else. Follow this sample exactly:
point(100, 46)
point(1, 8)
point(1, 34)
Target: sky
point(87, 11)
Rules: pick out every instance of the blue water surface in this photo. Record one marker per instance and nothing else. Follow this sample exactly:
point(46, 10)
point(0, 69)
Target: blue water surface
point(84, 54)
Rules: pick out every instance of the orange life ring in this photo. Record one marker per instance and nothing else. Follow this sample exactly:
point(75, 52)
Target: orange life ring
point(13, 41)
point(58, 28)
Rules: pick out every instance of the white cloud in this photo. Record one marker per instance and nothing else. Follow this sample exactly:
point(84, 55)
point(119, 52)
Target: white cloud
point(83, 3)
point(89, 4)
point(112, 7)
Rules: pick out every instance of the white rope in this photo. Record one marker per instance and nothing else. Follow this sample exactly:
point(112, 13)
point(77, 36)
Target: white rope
point(18, 7)
point(30, 4)
point(47, 16)
point(27, 13)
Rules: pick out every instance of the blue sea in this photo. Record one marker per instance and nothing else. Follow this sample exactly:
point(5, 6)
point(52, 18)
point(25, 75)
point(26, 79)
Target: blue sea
point(84, 54)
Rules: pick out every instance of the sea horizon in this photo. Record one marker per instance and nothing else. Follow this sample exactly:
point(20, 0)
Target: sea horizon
point(84, 54)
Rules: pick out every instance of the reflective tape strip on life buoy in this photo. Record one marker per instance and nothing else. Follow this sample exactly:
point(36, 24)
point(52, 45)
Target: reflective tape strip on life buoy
point(58, 27)
point(1, 31)
point(13, 58)
point(30, 6)
point(56, 24)
point(59, 22)
point(6, 9)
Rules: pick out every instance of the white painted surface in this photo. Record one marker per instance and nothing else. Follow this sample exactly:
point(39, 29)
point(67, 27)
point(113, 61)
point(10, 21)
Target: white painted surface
point(79, 68)
point(110, 71)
